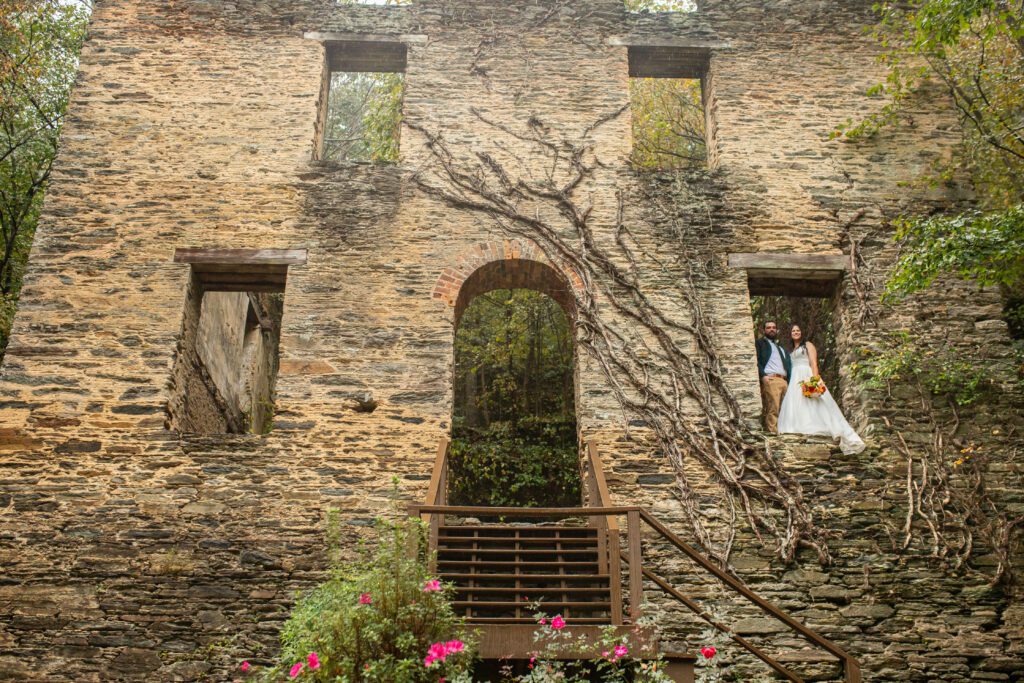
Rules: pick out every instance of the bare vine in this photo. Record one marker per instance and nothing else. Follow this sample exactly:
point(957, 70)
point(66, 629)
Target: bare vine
point(679, 391)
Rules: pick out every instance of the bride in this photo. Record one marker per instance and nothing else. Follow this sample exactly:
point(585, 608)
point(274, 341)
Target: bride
point(819, 415)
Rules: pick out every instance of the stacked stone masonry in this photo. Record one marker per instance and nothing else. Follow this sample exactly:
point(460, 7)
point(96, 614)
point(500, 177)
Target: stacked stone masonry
point(134, 551)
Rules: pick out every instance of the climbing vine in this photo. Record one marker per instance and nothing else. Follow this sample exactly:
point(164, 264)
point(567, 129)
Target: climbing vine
point(664, 370)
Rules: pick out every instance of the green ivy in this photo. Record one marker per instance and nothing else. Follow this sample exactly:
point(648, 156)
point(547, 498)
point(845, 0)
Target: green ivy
point(938, 370)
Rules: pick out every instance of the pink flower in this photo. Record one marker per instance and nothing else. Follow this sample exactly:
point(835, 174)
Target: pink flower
point(558, 623)
point(365, 599)
point(439, 651)
point(605, 654)
point(708, 652)
point(296, 670)
point(432, 586)
point(621, 651)
point(313, 661)
point(245, 666)
point(542, 622)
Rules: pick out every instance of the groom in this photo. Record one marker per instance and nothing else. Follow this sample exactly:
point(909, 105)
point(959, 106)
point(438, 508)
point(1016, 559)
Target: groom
point(774, 366)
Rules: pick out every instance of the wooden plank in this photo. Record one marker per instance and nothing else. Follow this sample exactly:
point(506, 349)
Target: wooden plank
point(615, 570)
point(597, 468)
point(790, 262)
point(366, 56)
point(347, 37)
point(505, 638)
point(797, 286)
point(662, 61)
point(253, 257)
point(636, 577)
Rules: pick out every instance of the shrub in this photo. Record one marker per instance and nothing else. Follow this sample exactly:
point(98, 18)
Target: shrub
point(533, 463)
point(376, 620)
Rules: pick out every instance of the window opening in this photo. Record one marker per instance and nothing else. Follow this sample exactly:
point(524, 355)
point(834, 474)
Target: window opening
point(514, 440)
point(228, 355)
point(365, 86)
point(667, 101)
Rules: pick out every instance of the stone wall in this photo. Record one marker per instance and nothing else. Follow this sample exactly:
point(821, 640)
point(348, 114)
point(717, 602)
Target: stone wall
point(132, 550)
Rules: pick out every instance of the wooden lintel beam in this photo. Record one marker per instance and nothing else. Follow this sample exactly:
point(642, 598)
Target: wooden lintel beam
point(836, 263)
point(817, 288)
point(212, 258)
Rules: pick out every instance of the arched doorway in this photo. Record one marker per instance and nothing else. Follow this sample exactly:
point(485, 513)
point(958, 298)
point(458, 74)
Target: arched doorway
point(514, 433)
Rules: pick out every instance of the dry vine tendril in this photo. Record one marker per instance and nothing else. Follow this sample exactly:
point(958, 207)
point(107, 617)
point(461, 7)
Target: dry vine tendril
point(653, 376)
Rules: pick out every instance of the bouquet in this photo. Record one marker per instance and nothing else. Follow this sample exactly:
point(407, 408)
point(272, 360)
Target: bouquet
point(813, 387)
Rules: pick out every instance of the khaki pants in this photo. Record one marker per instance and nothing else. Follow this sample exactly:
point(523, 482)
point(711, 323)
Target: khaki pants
point(772, 391)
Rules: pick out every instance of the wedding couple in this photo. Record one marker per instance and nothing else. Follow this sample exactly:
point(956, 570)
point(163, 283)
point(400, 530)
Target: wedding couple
point(786, 409)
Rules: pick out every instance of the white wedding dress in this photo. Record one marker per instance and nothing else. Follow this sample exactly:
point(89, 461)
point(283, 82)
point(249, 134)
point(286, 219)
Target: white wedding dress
point(819, 416)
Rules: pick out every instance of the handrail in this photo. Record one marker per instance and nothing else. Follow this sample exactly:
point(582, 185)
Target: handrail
point(473, 510)
point(608, 527)
point(598, 485)
point(600, 507)
point(437, 493)
point(850, 665)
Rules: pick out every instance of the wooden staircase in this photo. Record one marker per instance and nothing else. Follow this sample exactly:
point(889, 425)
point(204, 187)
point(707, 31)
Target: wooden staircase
point(506, 574)
point(579, 564)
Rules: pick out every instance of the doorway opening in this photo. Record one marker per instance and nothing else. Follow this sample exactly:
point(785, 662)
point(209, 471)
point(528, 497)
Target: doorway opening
point(514, 438)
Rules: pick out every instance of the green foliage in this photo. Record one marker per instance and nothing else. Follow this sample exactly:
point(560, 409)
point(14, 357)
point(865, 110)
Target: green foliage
point(532, 463)
point(39, 45)
point(974, 49)
point(513, 359)
point(986, 247)
point(669, 129)
point(938, 370)
point(611, 661)
point(364, 116)
point(381, 642)
point(514, 436)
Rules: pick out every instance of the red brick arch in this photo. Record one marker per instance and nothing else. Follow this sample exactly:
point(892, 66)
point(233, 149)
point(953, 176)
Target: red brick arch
point(510, 264)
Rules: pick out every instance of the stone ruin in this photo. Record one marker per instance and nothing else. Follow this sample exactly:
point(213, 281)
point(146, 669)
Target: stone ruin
point(222, 336)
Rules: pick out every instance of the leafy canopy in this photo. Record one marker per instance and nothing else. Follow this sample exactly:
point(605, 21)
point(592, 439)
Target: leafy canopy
point(974, 49)
point(39, 45)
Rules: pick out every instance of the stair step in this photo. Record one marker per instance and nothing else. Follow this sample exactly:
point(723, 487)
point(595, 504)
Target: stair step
point(520, 551)
point(590, 606)
point(531, 620)
point(504, 528)
point(530, 577)
point(520, 563)
point(510, 539)
point(553, 589)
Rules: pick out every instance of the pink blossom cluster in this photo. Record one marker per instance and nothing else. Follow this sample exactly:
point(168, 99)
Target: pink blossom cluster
point(557, 623)
point(439, 651)
point(616, 654)
point(432, 586)
point(312, 661)
point(708, 651)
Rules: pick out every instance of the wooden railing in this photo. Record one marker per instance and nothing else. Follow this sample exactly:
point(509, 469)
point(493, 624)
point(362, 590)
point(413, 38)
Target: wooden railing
point(604, 516)
point(437, 493)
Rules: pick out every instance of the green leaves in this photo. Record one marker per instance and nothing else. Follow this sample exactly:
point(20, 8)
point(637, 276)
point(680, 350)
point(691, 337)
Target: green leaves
point(382, 637)
point(364, 116)
point(669, 129)
point(987, 247)
point(534, 463)
point(39, 45)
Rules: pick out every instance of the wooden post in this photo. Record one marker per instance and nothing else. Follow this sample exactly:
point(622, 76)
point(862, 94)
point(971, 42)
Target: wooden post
point(615, 574)
point(636, 568)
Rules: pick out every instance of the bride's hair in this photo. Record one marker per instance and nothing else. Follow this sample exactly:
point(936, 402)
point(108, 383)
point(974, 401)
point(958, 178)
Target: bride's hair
point(803, 337)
